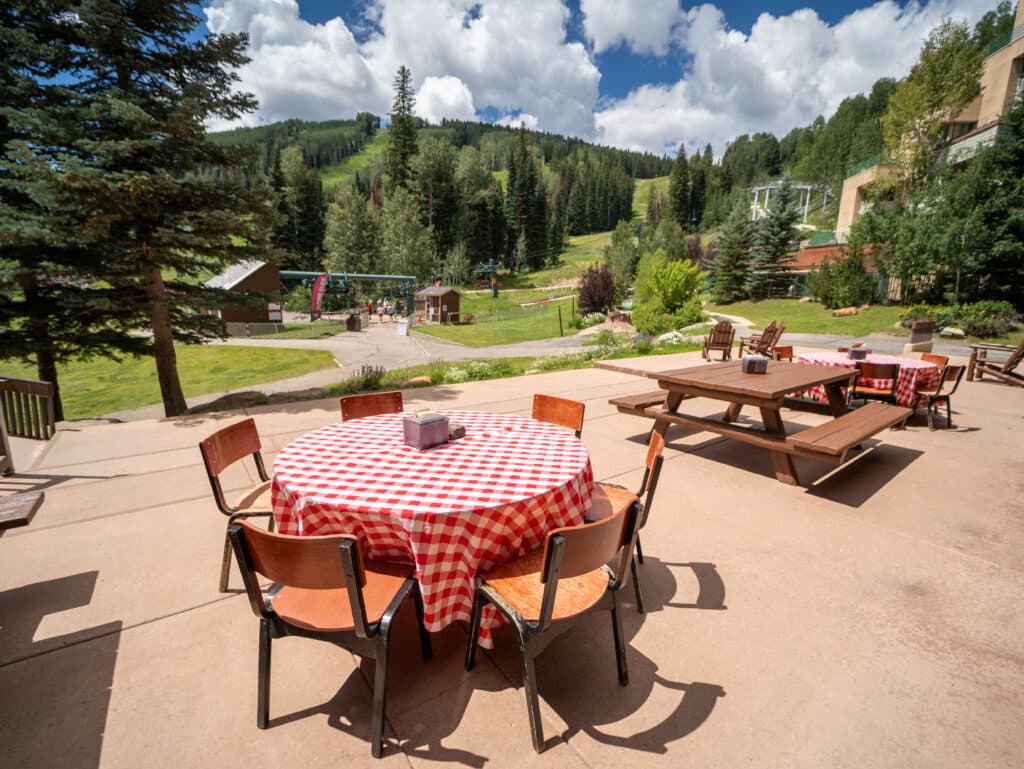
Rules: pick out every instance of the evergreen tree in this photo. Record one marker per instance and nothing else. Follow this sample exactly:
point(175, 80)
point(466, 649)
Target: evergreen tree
point(526, 205)
point(352, 240)
point(402, 134)
point(303, 194)
point(655, 207)
point(433, 185)
point(770, 254)
point(732, 257)
point(679, 190)
point(137, 189)
point(621, 254)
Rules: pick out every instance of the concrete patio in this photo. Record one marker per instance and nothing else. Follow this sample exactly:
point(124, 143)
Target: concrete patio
point(871, 618)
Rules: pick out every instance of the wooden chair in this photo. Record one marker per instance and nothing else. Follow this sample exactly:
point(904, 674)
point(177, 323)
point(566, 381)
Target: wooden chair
point(942, 393)
point(783, 352)
point(559, 411)
point(369, 404)
point(940, 361)
point(720, 338)
point(220, 451)
point(1004, 370)
point(766, 345)
point(753, 341)
point(546, 591)
point(609, 499)
point(324, 589)
point(865, 392)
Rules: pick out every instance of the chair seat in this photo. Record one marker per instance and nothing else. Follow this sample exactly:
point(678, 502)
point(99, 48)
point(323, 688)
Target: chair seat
point(885, 391)
point(255, 500)
point(608, 500)
point(519, 584)
point(330, 610)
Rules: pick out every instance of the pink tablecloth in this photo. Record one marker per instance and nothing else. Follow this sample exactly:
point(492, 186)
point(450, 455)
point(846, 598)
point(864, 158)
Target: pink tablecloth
point(452, 510)
point(914, 374)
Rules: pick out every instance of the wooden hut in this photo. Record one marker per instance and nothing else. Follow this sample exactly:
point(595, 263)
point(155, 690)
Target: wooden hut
point(263, 277)
point(438, 304)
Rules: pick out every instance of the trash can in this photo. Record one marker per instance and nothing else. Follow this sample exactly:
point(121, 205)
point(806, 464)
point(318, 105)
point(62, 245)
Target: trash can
point(352, 322)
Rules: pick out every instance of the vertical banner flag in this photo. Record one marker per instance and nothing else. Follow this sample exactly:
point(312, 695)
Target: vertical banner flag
point(316, 297)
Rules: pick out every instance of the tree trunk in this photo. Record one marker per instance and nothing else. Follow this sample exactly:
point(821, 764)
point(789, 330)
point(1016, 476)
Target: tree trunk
point(163, 343)
point(46, 365)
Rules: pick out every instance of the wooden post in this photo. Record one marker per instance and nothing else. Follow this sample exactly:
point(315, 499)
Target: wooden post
point(6, 460)
point(560, 332)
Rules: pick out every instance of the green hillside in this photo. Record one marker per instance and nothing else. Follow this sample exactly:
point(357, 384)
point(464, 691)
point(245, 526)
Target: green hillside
point(644, 189)
point(338, 173)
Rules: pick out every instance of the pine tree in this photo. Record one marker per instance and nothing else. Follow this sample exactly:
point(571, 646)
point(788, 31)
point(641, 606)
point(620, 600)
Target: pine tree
point(732, 257)
point(770, 255)
point(303, 194)
point(402, 134)
point(679, 190)
point(132, 190)
point(433, 185)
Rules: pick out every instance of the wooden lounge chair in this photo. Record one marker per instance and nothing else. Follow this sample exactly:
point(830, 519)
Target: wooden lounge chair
point(579, 570)
point(221, 450)
point(370, 404)
point(1004, 370)
point(324, 589)
point(766, 345)
point(942, 393)
point(752, 342)
point(720, 338)
point(559, 411)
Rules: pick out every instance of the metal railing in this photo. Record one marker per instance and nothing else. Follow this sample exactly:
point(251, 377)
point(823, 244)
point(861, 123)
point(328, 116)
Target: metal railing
point(28, 408)
point(1004, 40)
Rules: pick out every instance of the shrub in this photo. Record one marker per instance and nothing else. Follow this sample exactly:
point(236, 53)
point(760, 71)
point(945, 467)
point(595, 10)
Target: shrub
point(981, 319)
point(592, 319)
point(366, 378)
point(643, 343)
point(841, 283)
point(597, 289)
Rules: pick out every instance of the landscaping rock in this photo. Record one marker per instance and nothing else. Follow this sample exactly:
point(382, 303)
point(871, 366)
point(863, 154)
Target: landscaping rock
point(806, 299)
point(843, 312)
point(955, 333)
point(416, 381)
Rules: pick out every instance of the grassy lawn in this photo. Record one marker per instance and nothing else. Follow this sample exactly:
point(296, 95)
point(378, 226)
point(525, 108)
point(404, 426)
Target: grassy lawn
point(332, 176)
point(101, 386)
point(320, 329)
point(505, 323)
point(582, 252)
point(814, 318)
point(642, 194)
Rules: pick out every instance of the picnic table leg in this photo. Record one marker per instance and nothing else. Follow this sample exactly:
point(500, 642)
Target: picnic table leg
point(785, 471)
point(836, 399)
point(671, 404)
point(733, 412)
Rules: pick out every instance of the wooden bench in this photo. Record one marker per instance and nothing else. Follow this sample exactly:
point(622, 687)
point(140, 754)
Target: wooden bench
point(831, 441)
point(638, 404)
point(18, 509)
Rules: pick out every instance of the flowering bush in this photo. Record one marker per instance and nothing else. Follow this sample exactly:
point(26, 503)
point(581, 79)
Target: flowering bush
point(983, 319)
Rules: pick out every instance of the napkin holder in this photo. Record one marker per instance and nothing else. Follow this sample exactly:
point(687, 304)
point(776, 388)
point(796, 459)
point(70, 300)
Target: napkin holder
point(858, 353)
point(755, 364)
point(424, 430)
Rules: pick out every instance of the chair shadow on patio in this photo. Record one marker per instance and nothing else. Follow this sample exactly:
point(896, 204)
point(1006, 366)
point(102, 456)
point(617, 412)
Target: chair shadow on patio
point(57, 689)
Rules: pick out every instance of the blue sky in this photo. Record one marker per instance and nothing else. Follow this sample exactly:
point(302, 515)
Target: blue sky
point(645, 75)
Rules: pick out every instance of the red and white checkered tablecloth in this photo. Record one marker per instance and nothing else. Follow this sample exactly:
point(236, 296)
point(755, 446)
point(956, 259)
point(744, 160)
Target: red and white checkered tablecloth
point(452, 510)
point(914, 374)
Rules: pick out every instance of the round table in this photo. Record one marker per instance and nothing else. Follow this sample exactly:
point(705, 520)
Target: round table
point(914, 374)
point(452, 510)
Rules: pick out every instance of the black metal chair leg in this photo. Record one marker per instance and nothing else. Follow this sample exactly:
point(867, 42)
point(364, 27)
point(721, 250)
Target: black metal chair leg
point(532, 703)
point(636, 586)
point(380, 691)
point(417, 599)
point(620, 643)
point(263, 676)
point(639, 550)
point(931, 419)
point(474, 631)
point(949, 415)
point(225, 564)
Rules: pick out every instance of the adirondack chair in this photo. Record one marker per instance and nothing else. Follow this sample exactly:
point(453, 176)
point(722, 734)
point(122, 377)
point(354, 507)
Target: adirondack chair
point(768, 347)
point(753, 341)
point(1003, 370)
point(720, 338)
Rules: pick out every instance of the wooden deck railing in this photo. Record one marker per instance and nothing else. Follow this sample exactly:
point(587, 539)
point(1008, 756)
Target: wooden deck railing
point(28, 408)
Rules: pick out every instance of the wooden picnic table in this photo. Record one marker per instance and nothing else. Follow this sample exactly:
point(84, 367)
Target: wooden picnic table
point(767, 392)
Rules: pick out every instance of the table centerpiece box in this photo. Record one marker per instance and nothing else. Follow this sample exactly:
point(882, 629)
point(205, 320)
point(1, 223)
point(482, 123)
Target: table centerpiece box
point(425, 429)
point(858, 353)
point(755, 364)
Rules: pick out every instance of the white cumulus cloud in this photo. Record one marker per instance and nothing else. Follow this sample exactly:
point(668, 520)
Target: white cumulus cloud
point(644, 29)
point(444, 97)
point(524, 119)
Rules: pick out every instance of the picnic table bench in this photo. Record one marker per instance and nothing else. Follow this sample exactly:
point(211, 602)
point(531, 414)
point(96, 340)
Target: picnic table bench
point(19, 509)
point(830, 442)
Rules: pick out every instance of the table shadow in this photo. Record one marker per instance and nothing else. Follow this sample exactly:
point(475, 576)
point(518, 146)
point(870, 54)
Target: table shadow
point(54, 708)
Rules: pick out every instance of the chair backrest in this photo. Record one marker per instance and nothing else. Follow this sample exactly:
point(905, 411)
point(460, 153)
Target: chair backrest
point(935, 360)
point(589, 546)
point(952, 374)
point(879, 370)
point(369, 404)
point(769, 331)
point(559, 411)
point(842, 349)
point(1014, 360)
point(228, 445)
point(777, 335)
point(722, 333)
point(652, 471)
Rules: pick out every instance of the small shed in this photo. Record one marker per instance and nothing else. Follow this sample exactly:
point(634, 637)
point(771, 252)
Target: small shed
point(438, 304)
point(243, 277)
